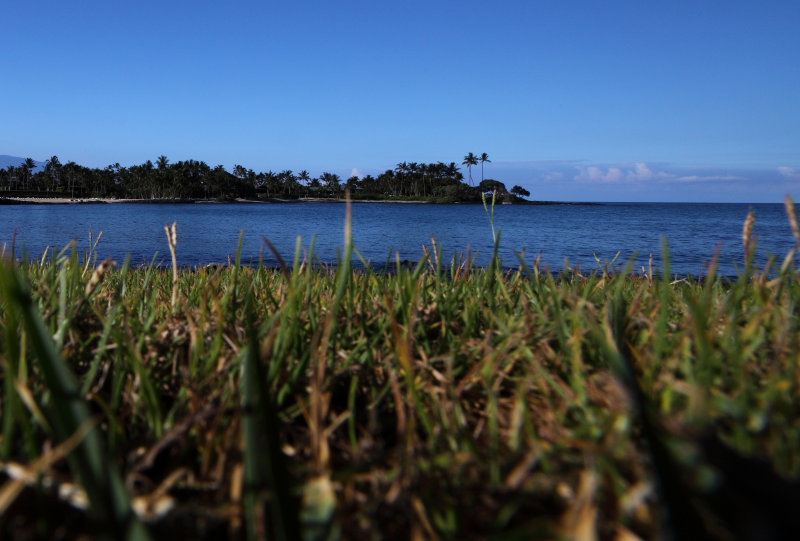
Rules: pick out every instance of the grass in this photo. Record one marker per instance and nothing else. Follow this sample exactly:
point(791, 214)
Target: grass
point(441, 401)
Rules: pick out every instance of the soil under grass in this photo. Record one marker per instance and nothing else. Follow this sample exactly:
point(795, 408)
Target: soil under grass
point(439, 401)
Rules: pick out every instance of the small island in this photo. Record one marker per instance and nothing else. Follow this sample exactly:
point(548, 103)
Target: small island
point(195, 181)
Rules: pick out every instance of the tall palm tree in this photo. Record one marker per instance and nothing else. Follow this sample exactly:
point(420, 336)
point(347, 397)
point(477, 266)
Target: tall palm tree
point(71, 170)
point(331, 182)
point(413, 169)
point(451, 170)
point(423, 170)
point(26, 169)
point(149, 179)
point(162, 163)
point(53, 170)
point(470, 160)
point(239, 171)
point(304, 177)
point(287, 181)
point(484, 159)
point(5, 176)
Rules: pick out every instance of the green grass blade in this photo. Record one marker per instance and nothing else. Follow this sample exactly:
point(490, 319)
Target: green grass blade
point(263, 460)
point(109, 502)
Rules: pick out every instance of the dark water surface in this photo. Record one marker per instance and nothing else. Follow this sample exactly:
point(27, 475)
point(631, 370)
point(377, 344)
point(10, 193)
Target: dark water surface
point(209, 233)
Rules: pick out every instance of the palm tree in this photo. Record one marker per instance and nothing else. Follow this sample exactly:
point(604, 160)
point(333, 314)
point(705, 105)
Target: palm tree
point(5, 177)
point(451, 170)
point(148, 179)
point(304, 177)
point(239, 171)
point(402, 170)
point(413, 169)
point(470, 160)
point(52, 170)
point(287, 182)
point(25, 172)
point(484, 159)
point(71, 169)
point(331, 182)
point(315, 184)
point(162, 163)
point(26, 168)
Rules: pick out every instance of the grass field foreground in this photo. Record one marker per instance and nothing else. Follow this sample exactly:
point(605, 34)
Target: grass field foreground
point(441, 401)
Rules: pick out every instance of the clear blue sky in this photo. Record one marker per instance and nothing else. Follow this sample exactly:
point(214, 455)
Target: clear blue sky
point(574, 100)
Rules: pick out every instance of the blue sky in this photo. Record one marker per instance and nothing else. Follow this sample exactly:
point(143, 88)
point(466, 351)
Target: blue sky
point(574, 100)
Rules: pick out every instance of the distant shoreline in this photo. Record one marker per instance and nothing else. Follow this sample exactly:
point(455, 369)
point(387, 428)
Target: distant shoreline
point(104, 200)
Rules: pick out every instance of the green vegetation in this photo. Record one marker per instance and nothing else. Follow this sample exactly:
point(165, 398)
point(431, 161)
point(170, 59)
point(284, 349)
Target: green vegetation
point(440, 401)
point(195, 180)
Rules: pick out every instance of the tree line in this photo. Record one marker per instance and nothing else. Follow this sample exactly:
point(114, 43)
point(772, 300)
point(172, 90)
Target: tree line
point(191, 179)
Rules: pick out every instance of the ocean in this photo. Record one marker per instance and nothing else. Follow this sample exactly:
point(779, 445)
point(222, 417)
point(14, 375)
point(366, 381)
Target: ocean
point(560, 236)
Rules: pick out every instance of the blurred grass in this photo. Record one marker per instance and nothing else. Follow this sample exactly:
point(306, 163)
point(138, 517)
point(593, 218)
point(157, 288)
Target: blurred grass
point(438, 401)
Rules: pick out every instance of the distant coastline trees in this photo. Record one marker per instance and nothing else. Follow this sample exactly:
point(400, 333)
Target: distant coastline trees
point(191, 179)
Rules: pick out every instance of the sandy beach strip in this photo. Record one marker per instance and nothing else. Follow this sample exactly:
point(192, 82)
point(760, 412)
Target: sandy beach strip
point(65, 200)
point(95, 200)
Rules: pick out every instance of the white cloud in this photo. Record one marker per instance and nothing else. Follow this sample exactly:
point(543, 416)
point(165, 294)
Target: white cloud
point(614, 174)
point(654, 181)
point(356, 173)
point(596, 174)
point(637, 173)
point(709, 178)
point(589, 173)
point(641, 172)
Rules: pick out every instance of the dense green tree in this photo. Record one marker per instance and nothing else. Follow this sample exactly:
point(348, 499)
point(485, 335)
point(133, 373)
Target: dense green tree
point(490, 185)
point(519, 191)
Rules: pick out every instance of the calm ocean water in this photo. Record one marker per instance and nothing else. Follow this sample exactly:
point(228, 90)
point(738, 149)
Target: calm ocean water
point(209, 233)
